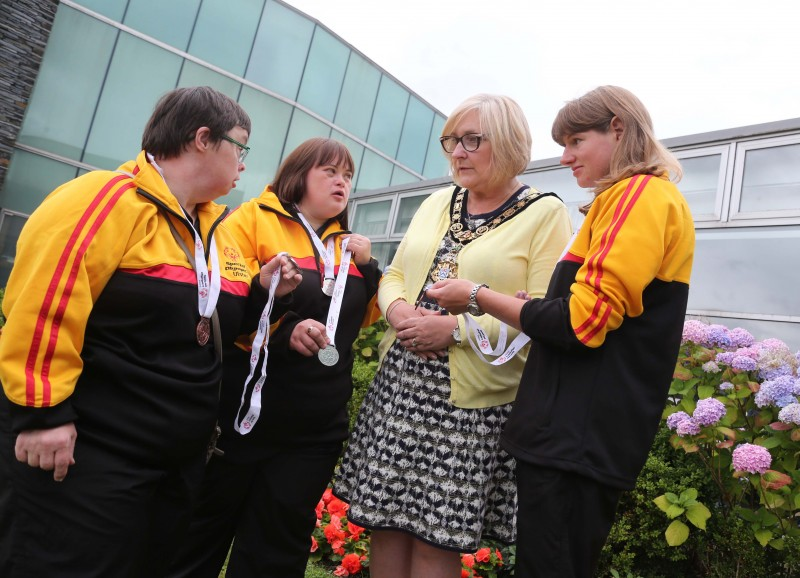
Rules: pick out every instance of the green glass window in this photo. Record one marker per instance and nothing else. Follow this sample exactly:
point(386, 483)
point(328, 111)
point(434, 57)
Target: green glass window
point(387, 120)
point(113, 9)
point(770, 181)
point(699, 184)
point(280, 50)
point(561, 182)
point(372, 218)
point(60, 109)
point(30, 178)
point(356, 151)
point(270, 118)
point(408, 207)
point(416, 135)
point(358, 96)
point(384, 253)
point(223, 34)
point(10, 227)
point(122, 112)
point(170, 22)
point(196, 75)
point(323, 74)
point(401, 177)
point(302, 128)
point(436, 164)
point(375, 172)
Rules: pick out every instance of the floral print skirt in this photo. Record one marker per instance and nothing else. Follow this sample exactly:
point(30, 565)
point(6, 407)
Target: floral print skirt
point(416, 463)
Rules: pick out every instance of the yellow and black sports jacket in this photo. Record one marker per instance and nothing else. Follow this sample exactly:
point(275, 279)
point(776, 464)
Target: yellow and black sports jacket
point(303, 401)
point(606, 336)
point(102, 313)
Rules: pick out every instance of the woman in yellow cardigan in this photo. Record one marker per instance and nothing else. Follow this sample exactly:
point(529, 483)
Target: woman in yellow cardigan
point(423, 469)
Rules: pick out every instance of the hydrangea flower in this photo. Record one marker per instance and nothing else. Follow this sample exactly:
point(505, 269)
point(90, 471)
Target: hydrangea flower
point(711, 367)
point(717, 336)
point(688, 427)
point(790, 414)
point(775, 359)
point(725, 357)
point(751, 458)
point(725, 386)
point(694, 331)
point(779, 392)
point(708, 411)
point(743, 363)
point(676, 418)
point(741, 337)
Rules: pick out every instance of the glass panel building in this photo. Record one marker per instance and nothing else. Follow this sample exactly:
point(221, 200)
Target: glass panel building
point(107, 62)
point(743, 186)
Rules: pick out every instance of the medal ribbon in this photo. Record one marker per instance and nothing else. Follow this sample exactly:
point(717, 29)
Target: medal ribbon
point(481, 344)
point(338, 293)
point(260, 342)
point(207, 289)
point(328, 254)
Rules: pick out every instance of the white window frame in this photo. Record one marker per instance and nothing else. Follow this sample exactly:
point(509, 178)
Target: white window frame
point(721, 199)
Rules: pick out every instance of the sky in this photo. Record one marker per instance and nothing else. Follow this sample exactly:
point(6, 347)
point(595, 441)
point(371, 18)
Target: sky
point(697, 65)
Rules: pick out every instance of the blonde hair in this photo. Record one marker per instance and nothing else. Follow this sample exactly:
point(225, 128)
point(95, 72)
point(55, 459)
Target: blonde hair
point(638, 151)
point(502, 123)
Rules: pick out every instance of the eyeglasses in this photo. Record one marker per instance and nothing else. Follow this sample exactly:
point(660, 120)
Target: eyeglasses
point(244, 148)
point(470, 141)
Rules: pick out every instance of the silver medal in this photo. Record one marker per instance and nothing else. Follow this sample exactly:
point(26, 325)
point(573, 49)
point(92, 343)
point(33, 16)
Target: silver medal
point(328, 355)
point(327, 286)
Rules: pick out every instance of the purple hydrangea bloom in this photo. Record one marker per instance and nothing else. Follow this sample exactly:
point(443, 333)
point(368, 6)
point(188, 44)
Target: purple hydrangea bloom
point(743, 363)
point(708, 411)
point(711, 367)
point(790, 414)
point(725, 386)
point(688, 427)
point(751, 458)
point(725, 357)
point(694, 331)
point(717, 336)
point(741, 337)
point(779, 392)
point(676, 418)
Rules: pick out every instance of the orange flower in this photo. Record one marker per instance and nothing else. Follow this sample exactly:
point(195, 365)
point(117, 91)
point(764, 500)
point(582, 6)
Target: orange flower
point(314, 545)
point(327, 495)
point(464, 573)
point(354, 530)
point(468, 560)
point(320, 507)
point(483, 555)
point(334, 536)
point(352, 563)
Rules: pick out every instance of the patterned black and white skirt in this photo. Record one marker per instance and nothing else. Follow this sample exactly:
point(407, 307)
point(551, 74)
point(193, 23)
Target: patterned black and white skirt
point(416, 463)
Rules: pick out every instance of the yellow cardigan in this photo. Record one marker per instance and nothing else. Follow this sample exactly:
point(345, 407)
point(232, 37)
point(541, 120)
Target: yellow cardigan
point(519, 254)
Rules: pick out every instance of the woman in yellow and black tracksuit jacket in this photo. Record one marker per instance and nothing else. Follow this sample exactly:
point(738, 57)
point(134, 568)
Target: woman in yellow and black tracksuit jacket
point(264, 489)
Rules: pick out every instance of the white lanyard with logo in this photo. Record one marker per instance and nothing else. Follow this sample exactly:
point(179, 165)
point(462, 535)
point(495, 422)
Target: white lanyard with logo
point(481, 344)
point(328, 255)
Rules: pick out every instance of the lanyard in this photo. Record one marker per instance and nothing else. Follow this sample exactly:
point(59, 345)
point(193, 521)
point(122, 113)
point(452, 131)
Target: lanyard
point(260, 342)
point(328, 253)
point(481, 344)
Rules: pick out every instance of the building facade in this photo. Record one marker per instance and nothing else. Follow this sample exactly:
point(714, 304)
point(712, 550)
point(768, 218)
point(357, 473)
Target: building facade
point(743, 187)
point(106, 63)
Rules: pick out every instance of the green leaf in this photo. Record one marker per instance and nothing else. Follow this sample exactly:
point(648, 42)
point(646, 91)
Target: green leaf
point(697, 514)
point(705, 391)
point(678, 532)
point(366, 352)
point(769, 443)
point(773, 500)
point(777, 543)
point(682, 373)
point(763, 536)
point(688, 494)
point(663, 504)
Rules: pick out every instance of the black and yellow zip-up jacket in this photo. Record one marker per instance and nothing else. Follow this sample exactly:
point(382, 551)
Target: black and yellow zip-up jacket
point(102, 314)
point(303, 401)
point(606, 336)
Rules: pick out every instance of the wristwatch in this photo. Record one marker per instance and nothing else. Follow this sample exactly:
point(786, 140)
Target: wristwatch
point(456, 333)
point(472, 307)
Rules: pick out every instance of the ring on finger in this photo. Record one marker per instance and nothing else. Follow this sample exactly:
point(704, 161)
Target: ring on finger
point(310, 329)
point(414, 342)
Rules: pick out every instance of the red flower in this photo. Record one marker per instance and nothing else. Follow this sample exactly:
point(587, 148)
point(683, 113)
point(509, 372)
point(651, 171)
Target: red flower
point(319, 509)
point(314, 544)
point(337, 507)
point(483, 555)
point(327, 495)
point(355, 531)
point(352, 563)
point(340, 571)
point(334, 536)
point(499, 557)
point(468, 560)
point(464, 573)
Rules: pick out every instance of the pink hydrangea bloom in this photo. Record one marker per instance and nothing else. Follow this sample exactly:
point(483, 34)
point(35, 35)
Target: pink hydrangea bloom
point(708, 411)
point(694, 331)
point(751, 458)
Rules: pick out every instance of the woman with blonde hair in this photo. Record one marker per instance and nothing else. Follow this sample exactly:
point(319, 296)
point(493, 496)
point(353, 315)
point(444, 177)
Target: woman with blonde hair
point(423, 469)
point(605, 336)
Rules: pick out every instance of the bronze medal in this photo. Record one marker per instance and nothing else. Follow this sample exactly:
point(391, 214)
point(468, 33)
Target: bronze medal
point(328, 355)
point(203, 330)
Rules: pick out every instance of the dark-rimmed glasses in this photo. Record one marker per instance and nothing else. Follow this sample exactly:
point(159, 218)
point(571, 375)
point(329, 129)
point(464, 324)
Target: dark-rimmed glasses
point(244, 149)
point(470, 141)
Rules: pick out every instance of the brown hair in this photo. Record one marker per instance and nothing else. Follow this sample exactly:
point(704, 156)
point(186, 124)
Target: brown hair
point(502, 123)
point(180, 112)
point(290, 181)
point(638, 151)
